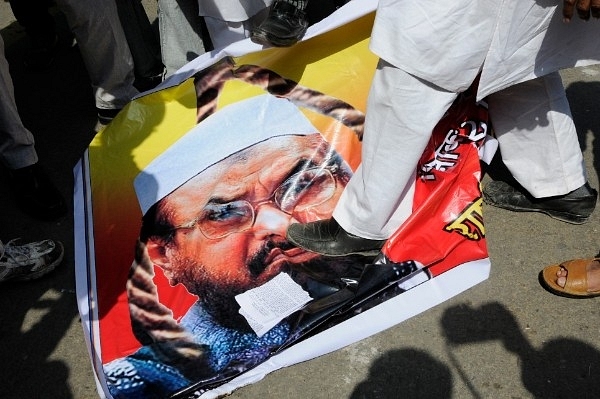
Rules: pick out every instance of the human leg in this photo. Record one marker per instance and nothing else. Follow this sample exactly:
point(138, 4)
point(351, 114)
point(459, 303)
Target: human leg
point(181, 37)
point(539, 145)
point(104, 49)
point(35, 193)
point(16, 142)
point(402, 112)
point(39, 25)
point(378, 198)
point(142, 42)
point(223, 33)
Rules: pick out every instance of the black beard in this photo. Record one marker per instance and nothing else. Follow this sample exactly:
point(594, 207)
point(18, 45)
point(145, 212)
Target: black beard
point(220, 303)
point(218, 297)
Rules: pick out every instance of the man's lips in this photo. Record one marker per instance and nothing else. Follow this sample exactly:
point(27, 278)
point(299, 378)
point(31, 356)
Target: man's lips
point(293, 255)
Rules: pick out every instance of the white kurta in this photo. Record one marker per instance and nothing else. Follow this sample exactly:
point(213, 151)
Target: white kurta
point(434, 49)
point(448, 42)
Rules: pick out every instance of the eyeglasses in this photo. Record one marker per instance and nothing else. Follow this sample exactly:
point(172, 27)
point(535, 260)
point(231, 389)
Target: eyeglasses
point(300, 192)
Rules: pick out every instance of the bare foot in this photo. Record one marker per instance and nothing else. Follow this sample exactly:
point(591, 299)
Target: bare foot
point(593, 276)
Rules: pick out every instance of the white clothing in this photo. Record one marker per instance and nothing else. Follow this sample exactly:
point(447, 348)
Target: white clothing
point(448, 42)
point(232, 10)
point(510, 43)
point(532, 122)
point(378, 197)
point(537, 137)
point(223, 33)
point(229, 21)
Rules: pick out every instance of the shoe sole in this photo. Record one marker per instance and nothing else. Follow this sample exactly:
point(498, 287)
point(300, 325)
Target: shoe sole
point(562, 216)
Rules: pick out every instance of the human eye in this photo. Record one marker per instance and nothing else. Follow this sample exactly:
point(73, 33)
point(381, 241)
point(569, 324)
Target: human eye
point(221, 219)
point(294, 187)
point(305, 188)
point(227, 213)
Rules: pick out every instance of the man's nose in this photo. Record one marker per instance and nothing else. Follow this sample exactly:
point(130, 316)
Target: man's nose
point(270, 220)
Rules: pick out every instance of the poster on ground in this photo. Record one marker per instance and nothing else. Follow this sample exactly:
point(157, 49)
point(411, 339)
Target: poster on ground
point(186, 284)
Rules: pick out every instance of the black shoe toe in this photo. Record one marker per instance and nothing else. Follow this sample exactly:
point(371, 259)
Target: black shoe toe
point(326, 237)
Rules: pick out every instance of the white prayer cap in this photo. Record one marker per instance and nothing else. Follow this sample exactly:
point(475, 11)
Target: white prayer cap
point(230, 130)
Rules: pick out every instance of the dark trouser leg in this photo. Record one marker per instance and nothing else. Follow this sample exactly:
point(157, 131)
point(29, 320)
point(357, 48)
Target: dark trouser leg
point(35, 17)
point(142, 41)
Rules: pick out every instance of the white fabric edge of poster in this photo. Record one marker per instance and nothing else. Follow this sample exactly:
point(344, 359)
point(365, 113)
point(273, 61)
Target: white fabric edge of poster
point(85, 282)
point(377, 319)
point(348, 12)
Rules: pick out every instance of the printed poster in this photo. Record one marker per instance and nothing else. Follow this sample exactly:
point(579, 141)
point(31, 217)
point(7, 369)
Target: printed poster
point(186, 284)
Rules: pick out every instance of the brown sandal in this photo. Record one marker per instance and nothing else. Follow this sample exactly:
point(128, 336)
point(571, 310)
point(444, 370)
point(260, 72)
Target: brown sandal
point(576, 284)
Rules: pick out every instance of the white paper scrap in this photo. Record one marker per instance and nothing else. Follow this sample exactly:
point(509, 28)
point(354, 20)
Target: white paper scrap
point(265, 306)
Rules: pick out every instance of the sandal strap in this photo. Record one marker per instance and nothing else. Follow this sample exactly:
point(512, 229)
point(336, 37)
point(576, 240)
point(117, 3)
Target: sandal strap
point(576, 275)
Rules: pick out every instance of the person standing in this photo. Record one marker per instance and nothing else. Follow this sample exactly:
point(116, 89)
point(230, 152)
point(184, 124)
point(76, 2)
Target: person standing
point(417, 80)
point(34, 192)
point(102, 42)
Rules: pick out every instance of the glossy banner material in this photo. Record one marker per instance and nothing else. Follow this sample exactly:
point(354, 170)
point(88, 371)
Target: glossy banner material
point(182, 203)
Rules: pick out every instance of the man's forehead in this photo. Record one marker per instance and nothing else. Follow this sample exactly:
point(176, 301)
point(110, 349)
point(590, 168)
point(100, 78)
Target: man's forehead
point(269, 160)
point(236, 127)
point(277, 149)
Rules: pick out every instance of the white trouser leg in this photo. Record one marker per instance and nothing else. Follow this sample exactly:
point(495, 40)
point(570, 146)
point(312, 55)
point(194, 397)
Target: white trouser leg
point(401, 114)
point(223, 33)
point(537, 136)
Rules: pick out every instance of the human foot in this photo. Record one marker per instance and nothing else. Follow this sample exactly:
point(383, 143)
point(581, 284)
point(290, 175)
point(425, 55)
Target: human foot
point(578, 278)
point(327, 237)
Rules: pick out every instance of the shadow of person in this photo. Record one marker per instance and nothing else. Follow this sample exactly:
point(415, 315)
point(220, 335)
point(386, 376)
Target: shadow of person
point(561, 368)
point(405, 373)
point(34, 320)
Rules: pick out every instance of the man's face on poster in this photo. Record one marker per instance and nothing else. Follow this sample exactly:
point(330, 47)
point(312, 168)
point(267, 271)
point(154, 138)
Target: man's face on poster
point(229, 222)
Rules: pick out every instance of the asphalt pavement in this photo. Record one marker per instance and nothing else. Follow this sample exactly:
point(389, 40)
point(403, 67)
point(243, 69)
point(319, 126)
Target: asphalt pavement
point(504, 338)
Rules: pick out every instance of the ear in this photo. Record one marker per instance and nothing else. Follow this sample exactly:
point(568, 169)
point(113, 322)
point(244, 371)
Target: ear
point(157, 252)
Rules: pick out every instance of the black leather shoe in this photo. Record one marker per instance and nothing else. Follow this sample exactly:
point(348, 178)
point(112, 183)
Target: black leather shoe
point(574, 207)
point(284, 26)
point(326, 237)
point(36, 195)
